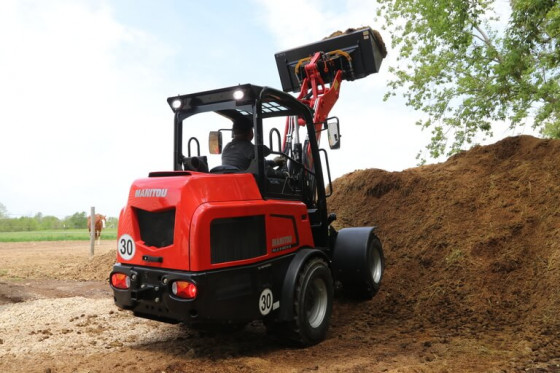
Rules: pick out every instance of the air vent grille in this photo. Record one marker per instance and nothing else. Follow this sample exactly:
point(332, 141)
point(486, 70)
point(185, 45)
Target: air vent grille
point(156, 228)
point(238, 238)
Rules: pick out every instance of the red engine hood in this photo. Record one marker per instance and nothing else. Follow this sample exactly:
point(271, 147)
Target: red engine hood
point(155, 225)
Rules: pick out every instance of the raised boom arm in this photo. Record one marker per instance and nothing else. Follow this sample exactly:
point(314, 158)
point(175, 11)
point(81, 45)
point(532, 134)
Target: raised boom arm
point(318, 69)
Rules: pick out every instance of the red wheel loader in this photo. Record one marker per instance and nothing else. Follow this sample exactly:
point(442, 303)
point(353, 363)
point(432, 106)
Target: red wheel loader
point(211, 245)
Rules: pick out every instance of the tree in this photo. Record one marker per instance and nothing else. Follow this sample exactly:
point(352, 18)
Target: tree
point(50, 222)
point(3, 211)
point(466, 70)
point(112, 222)
point(77, 220)
point(25, 223)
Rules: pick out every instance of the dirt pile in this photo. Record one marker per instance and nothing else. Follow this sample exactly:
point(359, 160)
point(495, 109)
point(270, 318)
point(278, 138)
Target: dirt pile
point(472, 243)
point(96, 268)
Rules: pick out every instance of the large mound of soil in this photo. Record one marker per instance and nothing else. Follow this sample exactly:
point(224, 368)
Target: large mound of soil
point(470, 244)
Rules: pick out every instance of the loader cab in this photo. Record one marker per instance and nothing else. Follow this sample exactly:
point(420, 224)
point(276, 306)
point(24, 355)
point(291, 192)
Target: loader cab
point(270, 112)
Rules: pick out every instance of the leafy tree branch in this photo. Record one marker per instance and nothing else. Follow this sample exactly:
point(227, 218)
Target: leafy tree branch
point(467, 69)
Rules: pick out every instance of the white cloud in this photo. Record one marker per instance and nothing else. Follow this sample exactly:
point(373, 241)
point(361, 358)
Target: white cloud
point(299, 22)
point(73, 118)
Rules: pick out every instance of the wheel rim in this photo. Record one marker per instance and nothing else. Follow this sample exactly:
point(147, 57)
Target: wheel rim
point(316, 303)
point(375, 266)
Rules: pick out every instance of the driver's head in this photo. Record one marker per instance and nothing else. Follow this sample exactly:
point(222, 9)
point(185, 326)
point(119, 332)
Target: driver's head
point(242, 130)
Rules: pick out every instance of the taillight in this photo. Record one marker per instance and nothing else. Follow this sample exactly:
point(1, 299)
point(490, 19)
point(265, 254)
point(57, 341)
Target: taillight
point(184, 289)
point(120, 280)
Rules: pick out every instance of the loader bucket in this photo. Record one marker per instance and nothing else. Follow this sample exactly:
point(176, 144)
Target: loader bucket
point(357, 52)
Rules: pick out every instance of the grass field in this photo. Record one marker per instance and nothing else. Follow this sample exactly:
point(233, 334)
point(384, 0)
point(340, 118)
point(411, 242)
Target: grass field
point(55, 235)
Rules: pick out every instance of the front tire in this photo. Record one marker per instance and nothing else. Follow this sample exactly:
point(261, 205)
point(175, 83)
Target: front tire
point(358, 262)
point(313, 301)
point(375, 266)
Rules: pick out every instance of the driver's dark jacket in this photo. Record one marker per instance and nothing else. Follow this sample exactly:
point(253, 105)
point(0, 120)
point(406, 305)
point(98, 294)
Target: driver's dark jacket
point(238, 153)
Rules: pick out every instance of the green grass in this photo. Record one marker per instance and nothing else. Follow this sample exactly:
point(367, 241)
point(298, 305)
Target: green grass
point(55, 235)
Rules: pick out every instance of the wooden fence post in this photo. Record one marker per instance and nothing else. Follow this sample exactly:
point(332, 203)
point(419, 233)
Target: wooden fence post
point(92, 231)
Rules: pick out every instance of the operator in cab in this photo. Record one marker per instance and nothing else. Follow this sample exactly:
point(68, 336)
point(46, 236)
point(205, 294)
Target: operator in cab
point(240, 151)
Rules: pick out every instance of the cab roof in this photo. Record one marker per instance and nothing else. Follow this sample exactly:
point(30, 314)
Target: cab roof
point(237, 102)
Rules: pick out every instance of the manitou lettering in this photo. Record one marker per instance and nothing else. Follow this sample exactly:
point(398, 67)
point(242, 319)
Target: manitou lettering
point(150, 193)
point(281, 240)
point(282, 243)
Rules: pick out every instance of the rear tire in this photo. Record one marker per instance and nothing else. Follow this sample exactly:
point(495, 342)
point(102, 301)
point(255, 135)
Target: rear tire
point(367, 287)
point(313, 301)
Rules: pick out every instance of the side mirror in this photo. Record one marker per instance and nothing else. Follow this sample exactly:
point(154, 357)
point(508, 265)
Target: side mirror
point(333, 132)
point(215, 142)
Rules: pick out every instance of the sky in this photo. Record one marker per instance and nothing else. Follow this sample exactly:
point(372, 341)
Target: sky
point(84, 83)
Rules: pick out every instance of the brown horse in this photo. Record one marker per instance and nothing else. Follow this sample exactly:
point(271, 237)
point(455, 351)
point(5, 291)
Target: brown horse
point(99, 225)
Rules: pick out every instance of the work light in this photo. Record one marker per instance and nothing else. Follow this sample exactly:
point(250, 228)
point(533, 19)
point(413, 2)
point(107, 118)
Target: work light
point(176, 104)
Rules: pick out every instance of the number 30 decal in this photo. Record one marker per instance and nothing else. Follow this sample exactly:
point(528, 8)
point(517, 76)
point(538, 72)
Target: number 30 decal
point(265, 302)
point(127, 247)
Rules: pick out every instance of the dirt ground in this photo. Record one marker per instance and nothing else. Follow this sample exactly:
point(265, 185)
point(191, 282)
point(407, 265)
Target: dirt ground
point(472, 284)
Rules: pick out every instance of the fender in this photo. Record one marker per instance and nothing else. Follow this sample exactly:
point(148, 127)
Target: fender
point(290, 279)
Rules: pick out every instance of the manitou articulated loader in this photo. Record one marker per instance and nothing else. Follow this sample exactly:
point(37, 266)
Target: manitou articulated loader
point(214, 245)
